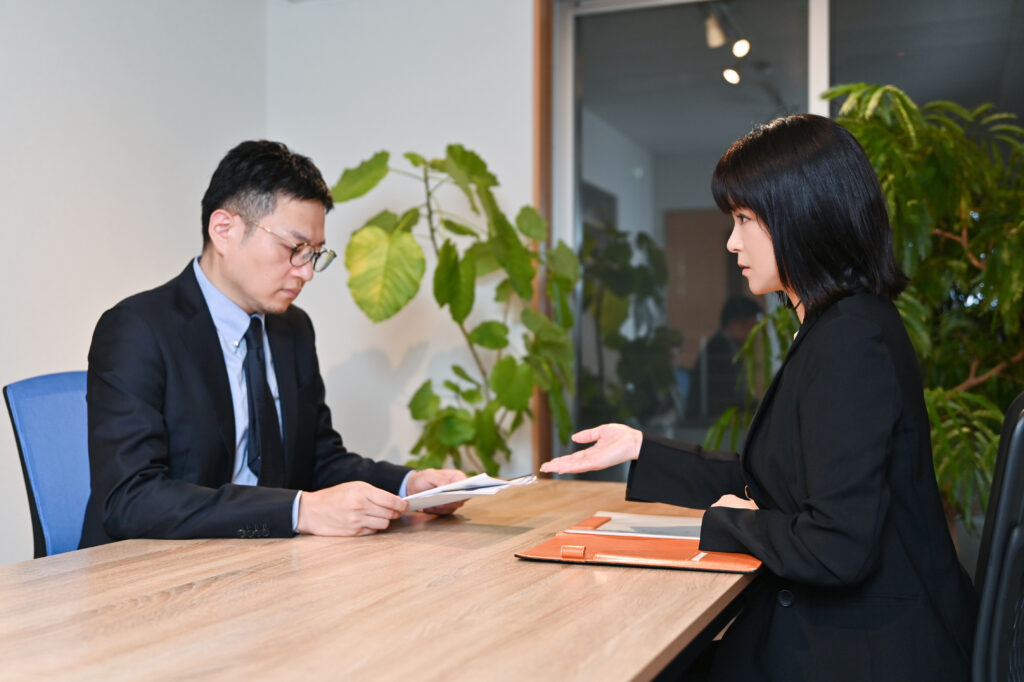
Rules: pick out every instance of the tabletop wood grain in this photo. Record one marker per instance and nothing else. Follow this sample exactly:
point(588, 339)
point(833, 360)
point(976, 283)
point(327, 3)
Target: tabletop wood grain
point(430, 599)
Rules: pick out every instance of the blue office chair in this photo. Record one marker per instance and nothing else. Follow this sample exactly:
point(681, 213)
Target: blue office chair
point(48, 414)
point(999, 640)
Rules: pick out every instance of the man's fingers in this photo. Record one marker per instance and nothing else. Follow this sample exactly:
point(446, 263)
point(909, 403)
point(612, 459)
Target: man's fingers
point(443, 509)
point(375, 522)
point(384, 499)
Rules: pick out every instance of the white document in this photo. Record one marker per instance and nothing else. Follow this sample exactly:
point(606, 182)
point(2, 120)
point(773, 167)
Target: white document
point(645, 526)
point(474, 486)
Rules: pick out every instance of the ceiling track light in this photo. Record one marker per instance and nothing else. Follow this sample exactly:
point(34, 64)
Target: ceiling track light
point(720, 28)
point(713, 33)
point(731, 75)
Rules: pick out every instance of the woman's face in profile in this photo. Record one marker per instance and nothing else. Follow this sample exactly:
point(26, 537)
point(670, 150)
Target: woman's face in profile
point(755, 256)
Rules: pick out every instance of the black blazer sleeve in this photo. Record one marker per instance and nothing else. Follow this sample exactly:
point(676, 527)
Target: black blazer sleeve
point(823, 448)
point(682, 474)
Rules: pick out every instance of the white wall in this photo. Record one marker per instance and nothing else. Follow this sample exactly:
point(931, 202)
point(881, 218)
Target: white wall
point(350, 77)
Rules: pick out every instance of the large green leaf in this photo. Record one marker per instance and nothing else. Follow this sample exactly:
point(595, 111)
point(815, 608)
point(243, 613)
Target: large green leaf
point(415, 159)
point(455, 282)
point(470, 164)
point(464, 375)
point(503, 292)
point(531, 224)
point(425, 403)
point(513, 256)
point(457, 427)
point(483, 256)
point(563, 263)
point(560, 412)
point(490, 334)
point(465, 294)
point(561, 303)
point(408, 220)
point(512, 383)
point(458, 228)
point(487, 436)
point(385, 270)
point(446, 275)
point(355, 182)
point(460, 176)
point(386, 220)
point(614, 311)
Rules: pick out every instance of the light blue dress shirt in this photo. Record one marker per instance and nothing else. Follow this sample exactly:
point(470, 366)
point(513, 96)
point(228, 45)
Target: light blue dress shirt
point(232, 323)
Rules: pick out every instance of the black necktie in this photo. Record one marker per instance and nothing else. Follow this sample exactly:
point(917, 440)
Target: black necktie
point(266, 456)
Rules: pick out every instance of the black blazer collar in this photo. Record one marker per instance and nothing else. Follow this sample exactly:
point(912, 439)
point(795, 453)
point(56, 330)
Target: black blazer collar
point(805, 328)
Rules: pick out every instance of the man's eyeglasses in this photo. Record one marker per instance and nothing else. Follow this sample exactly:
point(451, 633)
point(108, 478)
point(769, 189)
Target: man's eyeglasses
point(304, 253)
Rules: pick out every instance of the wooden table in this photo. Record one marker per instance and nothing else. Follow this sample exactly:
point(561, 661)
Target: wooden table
point(431, 599)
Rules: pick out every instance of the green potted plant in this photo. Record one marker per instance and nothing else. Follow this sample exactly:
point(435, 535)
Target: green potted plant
point(619, 287)
point(468, 418)
point(954, 181)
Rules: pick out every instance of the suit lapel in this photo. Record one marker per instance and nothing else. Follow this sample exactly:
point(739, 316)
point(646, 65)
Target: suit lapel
point(764, 407)
point(200, 337)
point(283, 352)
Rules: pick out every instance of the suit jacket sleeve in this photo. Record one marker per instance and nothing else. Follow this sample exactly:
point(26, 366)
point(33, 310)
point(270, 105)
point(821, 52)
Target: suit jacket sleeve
point(841, 405)
point(682, 474)
point(129, 447)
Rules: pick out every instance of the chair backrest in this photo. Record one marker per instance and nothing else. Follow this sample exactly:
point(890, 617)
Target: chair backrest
point(48, 414)
point(999, 641)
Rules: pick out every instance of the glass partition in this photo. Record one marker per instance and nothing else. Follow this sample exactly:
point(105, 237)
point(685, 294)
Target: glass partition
point(661, 94)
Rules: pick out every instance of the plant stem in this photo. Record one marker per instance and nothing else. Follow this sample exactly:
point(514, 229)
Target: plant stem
point(430, 212)
point(961, 239)
point(437, 252)
point(471, 461)
point(974, 379)
point(403, 172)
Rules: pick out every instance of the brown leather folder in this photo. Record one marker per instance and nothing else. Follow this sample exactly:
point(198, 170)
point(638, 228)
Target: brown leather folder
point(624, 550)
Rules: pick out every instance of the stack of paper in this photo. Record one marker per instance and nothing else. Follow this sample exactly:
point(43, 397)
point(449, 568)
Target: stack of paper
point(640, 525)
point(481, 484)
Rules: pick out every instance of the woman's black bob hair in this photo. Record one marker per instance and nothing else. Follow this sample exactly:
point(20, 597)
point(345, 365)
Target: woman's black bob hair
point(809, 182)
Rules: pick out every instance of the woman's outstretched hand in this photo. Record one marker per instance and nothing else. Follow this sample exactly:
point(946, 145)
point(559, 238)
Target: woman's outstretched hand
point(612, 444)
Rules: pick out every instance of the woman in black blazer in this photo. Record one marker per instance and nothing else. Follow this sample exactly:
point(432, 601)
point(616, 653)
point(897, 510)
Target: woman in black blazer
point(834, 489)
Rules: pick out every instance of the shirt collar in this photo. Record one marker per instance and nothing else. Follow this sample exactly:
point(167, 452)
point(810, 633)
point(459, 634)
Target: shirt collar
point(230, 320)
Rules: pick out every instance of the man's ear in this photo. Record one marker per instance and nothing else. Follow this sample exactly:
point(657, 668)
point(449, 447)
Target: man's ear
point(222, 227)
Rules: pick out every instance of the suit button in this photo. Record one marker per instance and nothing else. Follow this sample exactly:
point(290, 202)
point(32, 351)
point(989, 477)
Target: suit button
point(785, 598)
point(240, 533)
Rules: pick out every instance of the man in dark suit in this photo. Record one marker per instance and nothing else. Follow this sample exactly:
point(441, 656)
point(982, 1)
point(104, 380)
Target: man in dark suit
point(179, 377)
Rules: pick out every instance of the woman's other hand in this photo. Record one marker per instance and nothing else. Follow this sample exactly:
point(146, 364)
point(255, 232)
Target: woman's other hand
point(612, 444)
point(735, 502)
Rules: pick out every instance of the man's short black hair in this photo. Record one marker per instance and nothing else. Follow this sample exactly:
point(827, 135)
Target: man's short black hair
point(808, 179)
point(739, 308)
point(249, 179)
